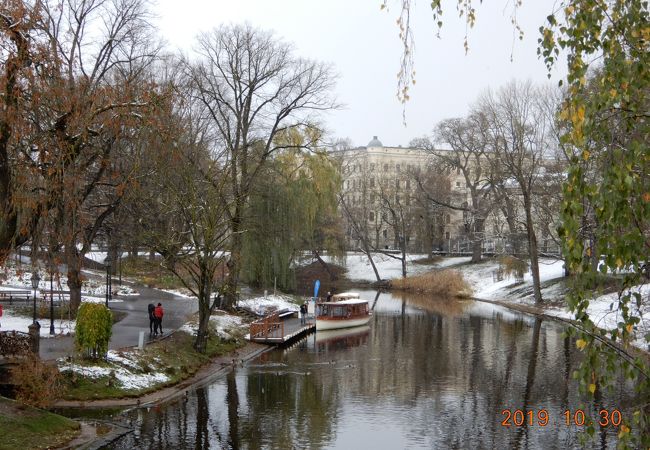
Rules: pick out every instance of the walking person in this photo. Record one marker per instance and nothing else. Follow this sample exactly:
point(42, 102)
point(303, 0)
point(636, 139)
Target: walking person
point(158, 314)
point(152, 319)
point(303, 313)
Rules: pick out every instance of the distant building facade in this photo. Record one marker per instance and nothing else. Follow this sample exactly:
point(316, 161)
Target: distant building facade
point(382, 202)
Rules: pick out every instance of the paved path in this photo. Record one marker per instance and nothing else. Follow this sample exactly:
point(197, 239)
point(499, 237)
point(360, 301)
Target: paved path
point(126, 332)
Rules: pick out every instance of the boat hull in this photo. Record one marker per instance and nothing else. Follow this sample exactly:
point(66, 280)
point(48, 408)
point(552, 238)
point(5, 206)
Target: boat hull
point(334, 324)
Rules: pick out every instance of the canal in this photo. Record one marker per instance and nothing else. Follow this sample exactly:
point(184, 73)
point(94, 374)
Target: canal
point(424, 374)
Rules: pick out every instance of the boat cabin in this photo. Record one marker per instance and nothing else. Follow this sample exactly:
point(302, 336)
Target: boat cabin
point(342, 309)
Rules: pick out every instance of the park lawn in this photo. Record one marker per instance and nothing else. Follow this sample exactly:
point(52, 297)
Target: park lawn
point(172, 358)
point(24, 427)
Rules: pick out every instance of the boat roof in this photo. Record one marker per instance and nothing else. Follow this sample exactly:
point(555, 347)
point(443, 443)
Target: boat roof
point(351, 301)
point(345, 295)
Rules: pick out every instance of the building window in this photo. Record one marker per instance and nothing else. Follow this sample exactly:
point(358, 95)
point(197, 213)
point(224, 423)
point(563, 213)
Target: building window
point(457, 183)
point(397, 167)
point(371, 216)
point(385, 167)
point(397, 184)
point(385, 234)
point(372, 197)
point(408, 184)
point(447, 235)
point(448, 219)
point(372, 166)
point(458, 171)
point(372, 182)
point(408, 200)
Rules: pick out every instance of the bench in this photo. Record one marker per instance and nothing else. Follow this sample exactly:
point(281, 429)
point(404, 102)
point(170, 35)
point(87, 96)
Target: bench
point(11, 296)
point(57, 297)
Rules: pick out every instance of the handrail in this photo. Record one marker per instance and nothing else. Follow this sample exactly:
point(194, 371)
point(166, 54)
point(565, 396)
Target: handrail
point(270, 326)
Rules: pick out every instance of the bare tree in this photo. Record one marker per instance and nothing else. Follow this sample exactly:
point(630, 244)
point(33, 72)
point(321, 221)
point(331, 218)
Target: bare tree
point(468, 140)
point(252, 87)
point(520, 138)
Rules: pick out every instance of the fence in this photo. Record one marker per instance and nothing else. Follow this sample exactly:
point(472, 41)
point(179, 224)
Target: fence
point(270, 326)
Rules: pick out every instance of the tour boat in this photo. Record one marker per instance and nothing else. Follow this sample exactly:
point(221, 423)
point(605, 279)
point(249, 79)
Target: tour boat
point(342, 313)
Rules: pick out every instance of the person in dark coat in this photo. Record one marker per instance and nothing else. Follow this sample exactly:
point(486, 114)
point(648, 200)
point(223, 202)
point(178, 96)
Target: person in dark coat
point(303, 313)
point(152, 319)
point(158, 313)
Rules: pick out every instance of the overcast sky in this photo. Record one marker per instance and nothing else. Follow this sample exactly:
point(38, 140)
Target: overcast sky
point(362, 44)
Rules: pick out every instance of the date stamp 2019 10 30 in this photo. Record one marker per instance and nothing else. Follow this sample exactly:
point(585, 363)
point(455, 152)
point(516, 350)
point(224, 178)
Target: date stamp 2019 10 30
point(541, 417)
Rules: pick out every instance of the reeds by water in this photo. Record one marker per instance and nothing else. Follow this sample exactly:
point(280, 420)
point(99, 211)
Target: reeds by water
point(443, 283)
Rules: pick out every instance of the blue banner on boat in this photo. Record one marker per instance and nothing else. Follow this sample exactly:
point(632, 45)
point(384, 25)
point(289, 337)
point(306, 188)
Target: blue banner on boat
point(316, 287)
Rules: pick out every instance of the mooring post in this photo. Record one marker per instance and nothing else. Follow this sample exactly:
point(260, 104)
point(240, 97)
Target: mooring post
point(141, 340)
point(35, 337)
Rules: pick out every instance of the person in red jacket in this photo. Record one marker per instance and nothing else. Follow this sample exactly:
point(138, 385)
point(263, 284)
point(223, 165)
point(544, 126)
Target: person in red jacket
point(158, 314)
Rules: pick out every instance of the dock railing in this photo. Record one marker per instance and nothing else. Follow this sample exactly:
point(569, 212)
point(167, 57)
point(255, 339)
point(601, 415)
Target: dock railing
point(270, 326)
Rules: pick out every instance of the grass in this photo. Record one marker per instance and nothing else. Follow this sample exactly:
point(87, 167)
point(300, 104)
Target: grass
point(26, 428)
point(445, 283)
point(150, 273)
point(174, 356)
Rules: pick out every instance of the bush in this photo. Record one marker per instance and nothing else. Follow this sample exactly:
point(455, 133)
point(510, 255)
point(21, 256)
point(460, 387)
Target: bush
point(93, 329)
point(445, 283)
point(512, 266)
point(37, 384)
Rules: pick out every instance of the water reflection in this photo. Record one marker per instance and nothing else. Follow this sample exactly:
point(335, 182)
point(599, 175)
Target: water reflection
point(434, 374)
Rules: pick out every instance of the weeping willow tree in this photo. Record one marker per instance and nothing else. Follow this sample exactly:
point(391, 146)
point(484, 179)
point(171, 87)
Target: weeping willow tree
point(292, 211)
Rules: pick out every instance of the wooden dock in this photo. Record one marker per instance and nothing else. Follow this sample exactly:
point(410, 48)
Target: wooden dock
point(280, 328)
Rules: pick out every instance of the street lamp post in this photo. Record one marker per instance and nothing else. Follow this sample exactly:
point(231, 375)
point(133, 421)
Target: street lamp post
point(107, 262)
point(51, 301)
point(35, 280)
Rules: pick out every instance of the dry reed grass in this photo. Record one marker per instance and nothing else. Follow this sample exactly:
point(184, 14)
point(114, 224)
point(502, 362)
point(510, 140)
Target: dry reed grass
point(444, 283)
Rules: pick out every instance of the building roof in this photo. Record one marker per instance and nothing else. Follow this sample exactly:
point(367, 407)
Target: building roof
point(375, 142)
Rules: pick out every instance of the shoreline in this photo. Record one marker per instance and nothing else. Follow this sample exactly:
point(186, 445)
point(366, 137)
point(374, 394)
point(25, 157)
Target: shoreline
point(89, 440)
point(204, 375)
point(630, 352)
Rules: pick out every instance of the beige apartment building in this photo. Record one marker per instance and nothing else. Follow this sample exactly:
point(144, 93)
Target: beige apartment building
point(381, 193)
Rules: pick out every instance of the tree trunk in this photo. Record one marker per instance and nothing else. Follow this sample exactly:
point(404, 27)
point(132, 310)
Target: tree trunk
point(234, 262)
point(325, 265)
point(205, 310)
point(477, 242)
point(532, 250)
point(74, 285)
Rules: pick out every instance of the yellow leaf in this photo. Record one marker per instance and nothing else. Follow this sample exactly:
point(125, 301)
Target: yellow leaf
point(581, 343)
point(585, 154)
point(619, 263)
point(629, 327)
point(592, 388)
point(612, 93)
point(624, 429)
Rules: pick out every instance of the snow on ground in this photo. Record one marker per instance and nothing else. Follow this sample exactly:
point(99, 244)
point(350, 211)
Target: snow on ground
point(359, 268)
point(451, 261)
point(265, 305)
point(13, 278)
point(224, 324)
point(9, 322)
point(604, 312)
point(482, 279)
point(126, 378)
point(177, 293)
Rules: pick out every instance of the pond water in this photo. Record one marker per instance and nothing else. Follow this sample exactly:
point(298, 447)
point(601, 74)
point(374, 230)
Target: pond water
point(424, 374)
